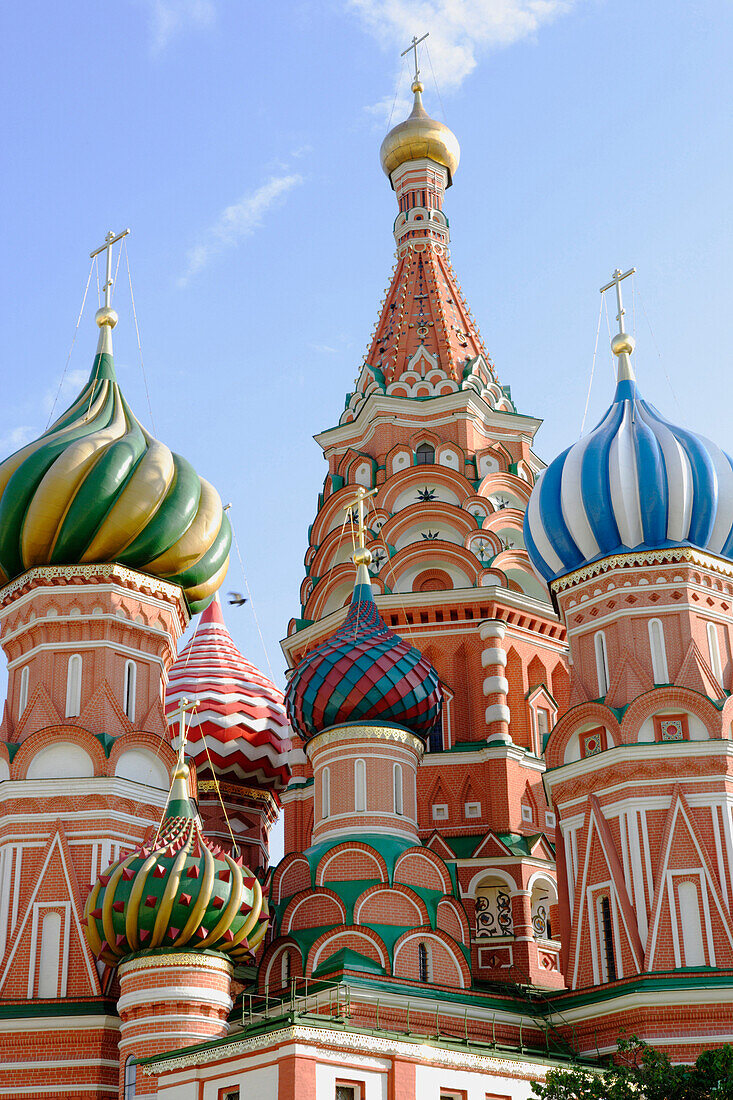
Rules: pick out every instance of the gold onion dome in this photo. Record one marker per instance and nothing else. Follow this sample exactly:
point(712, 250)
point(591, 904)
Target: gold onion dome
point(97, 487)
point(174, 892)
point(420, 136)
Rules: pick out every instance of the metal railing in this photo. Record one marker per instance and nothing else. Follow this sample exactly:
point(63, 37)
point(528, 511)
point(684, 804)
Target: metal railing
point(305, 997)
point(317, 1000)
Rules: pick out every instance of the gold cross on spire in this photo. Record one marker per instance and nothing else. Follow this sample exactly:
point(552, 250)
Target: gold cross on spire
point(183, 707)
point(362, 556)
point(413, 46)
point(109, 240)
point(622, 344)
point(616, 281)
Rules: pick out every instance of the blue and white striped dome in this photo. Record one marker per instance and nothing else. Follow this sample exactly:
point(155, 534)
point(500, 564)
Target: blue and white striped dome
point(635, 481)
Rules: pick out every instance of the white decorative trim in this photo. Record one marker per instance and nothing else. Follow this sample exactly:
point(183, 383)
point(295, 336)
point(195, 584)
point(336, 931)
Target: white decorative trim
point(640, 559)
point(419, 1051)
point(498, 712)
point(65, 573)
point(492, 628)
point(339, 734)
point(493, 684)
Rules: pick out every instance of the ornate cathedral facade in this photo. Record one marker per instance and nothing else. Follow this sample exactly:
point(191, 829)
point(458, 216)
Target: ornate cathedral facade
point(504, 754)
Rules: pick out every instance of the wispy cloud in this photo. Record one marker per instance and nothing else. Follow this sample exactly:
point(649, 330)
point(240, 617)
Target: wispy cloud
point(460, 30)
point(15, 439)
point(325, 349)
point(169, 17)
point(56, 398)
point(237, 222)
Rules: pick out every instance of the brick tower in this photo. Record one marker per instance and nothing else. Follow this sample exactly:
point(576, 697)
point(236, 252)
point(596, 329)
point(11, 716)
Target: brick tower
point(633, 529)
point(108, 542)
point(436, 440)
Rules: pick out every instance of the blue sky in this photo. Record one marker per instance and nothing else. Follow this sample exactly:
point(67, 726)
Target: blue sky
point(239, 140)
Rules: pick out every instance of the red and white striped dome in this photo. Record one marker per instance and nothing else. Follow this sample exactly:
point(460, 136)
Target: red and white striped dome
point(241, 717)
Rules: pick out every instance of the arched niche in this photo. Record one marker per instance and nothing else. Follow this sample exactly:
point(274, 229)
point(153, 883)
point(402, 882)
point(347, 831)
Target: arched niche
point(142, 766)
point(64, 760)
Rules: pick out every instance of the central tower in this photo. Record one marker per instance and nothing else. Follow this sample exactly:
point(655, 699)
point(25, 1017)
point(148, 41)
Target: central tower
point(444, 461)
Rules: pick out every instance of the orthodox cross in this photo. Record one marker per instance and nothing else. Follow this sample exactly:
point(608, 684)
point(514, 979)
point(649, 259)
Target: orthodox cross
point(358, 501)
point(184, 706)
point(616, 281)
point(109, 240)
point(413, 46)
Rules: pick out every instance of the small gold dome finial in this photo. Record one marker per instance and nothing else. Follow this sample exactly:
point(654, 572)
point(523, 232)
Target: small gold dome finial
point(420, 136)
point(362, 556)
point(106, 316)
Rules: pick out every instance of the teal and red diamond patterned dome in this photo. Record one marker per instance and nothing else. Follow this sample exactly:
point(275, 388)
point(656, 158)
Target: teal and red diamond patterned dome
point(240, 727)
point(363, 673)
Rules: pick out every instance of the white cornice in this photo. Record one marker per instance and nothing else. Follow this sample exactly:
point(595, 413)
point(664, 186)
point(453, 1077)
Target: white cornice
point(314, 1038)
point(409, 601)
point(403, 410)
point(53, 789)
point(602, 762)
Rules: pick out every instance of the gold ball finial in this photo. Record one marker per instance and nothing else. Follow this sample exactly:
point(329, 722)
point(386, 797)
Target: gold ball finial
point(417, 86)
point(363, 556)
point(106, 316)
point(622, 343)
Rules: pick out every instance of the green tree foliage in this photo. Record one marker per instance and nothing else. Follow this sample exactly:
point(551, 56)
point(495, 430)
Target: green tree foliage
point(642, 1073)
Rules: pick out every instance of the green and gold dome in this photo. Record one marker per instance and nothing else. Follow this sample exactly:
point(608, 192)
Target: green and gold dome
point(97, 487)
point(176, 892)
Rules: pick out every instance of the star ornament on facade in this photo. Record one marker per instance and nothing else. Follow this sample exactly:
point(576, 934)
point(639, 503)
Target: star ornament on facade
point(378, 559)
point(426, 494)
point(429, 535)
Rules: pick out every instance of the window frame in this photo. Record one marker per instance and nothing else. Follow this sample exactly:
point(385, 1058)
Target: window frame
point(23, 691)
point(603, 672)
point(360, 786)
point(73, 685)
point(398, 790)
point(424, 963)
point(325, 793)
point(660, 669)
point(129, 689)
point(716, 662)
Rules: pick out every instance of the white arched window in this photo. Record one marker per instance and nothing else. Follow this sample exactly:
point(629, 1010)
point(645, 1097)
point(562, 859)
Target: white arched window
point(397, 783)
point(714, 650)
point(326, 793)
point(692, 941)
point(23, 694)
point(604, 678)
point(130, 689)
point(48, 968)
point(659, 652)
point(73, 686)
point(359, 786)
point(130, 1078)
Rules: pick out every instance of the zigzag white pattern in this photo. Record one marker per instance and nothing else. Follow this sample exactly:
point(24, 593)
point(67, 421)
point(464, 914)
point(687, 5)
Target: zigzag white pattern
point(242, 720)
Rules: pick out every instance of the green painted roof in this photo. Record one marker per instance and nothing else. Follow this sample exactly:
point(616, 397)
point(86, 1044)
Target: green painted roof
point(346, 959)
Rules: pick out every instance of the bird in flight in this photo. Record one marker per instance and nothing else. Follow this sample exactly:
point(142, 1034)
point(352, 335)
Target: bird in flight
point(236, 599)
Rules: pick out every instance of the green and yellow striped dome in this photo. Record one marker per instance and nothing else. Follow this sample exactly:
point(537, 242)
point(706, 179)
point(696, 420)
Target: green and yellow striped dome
point(176, 891)
point(96, 487)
